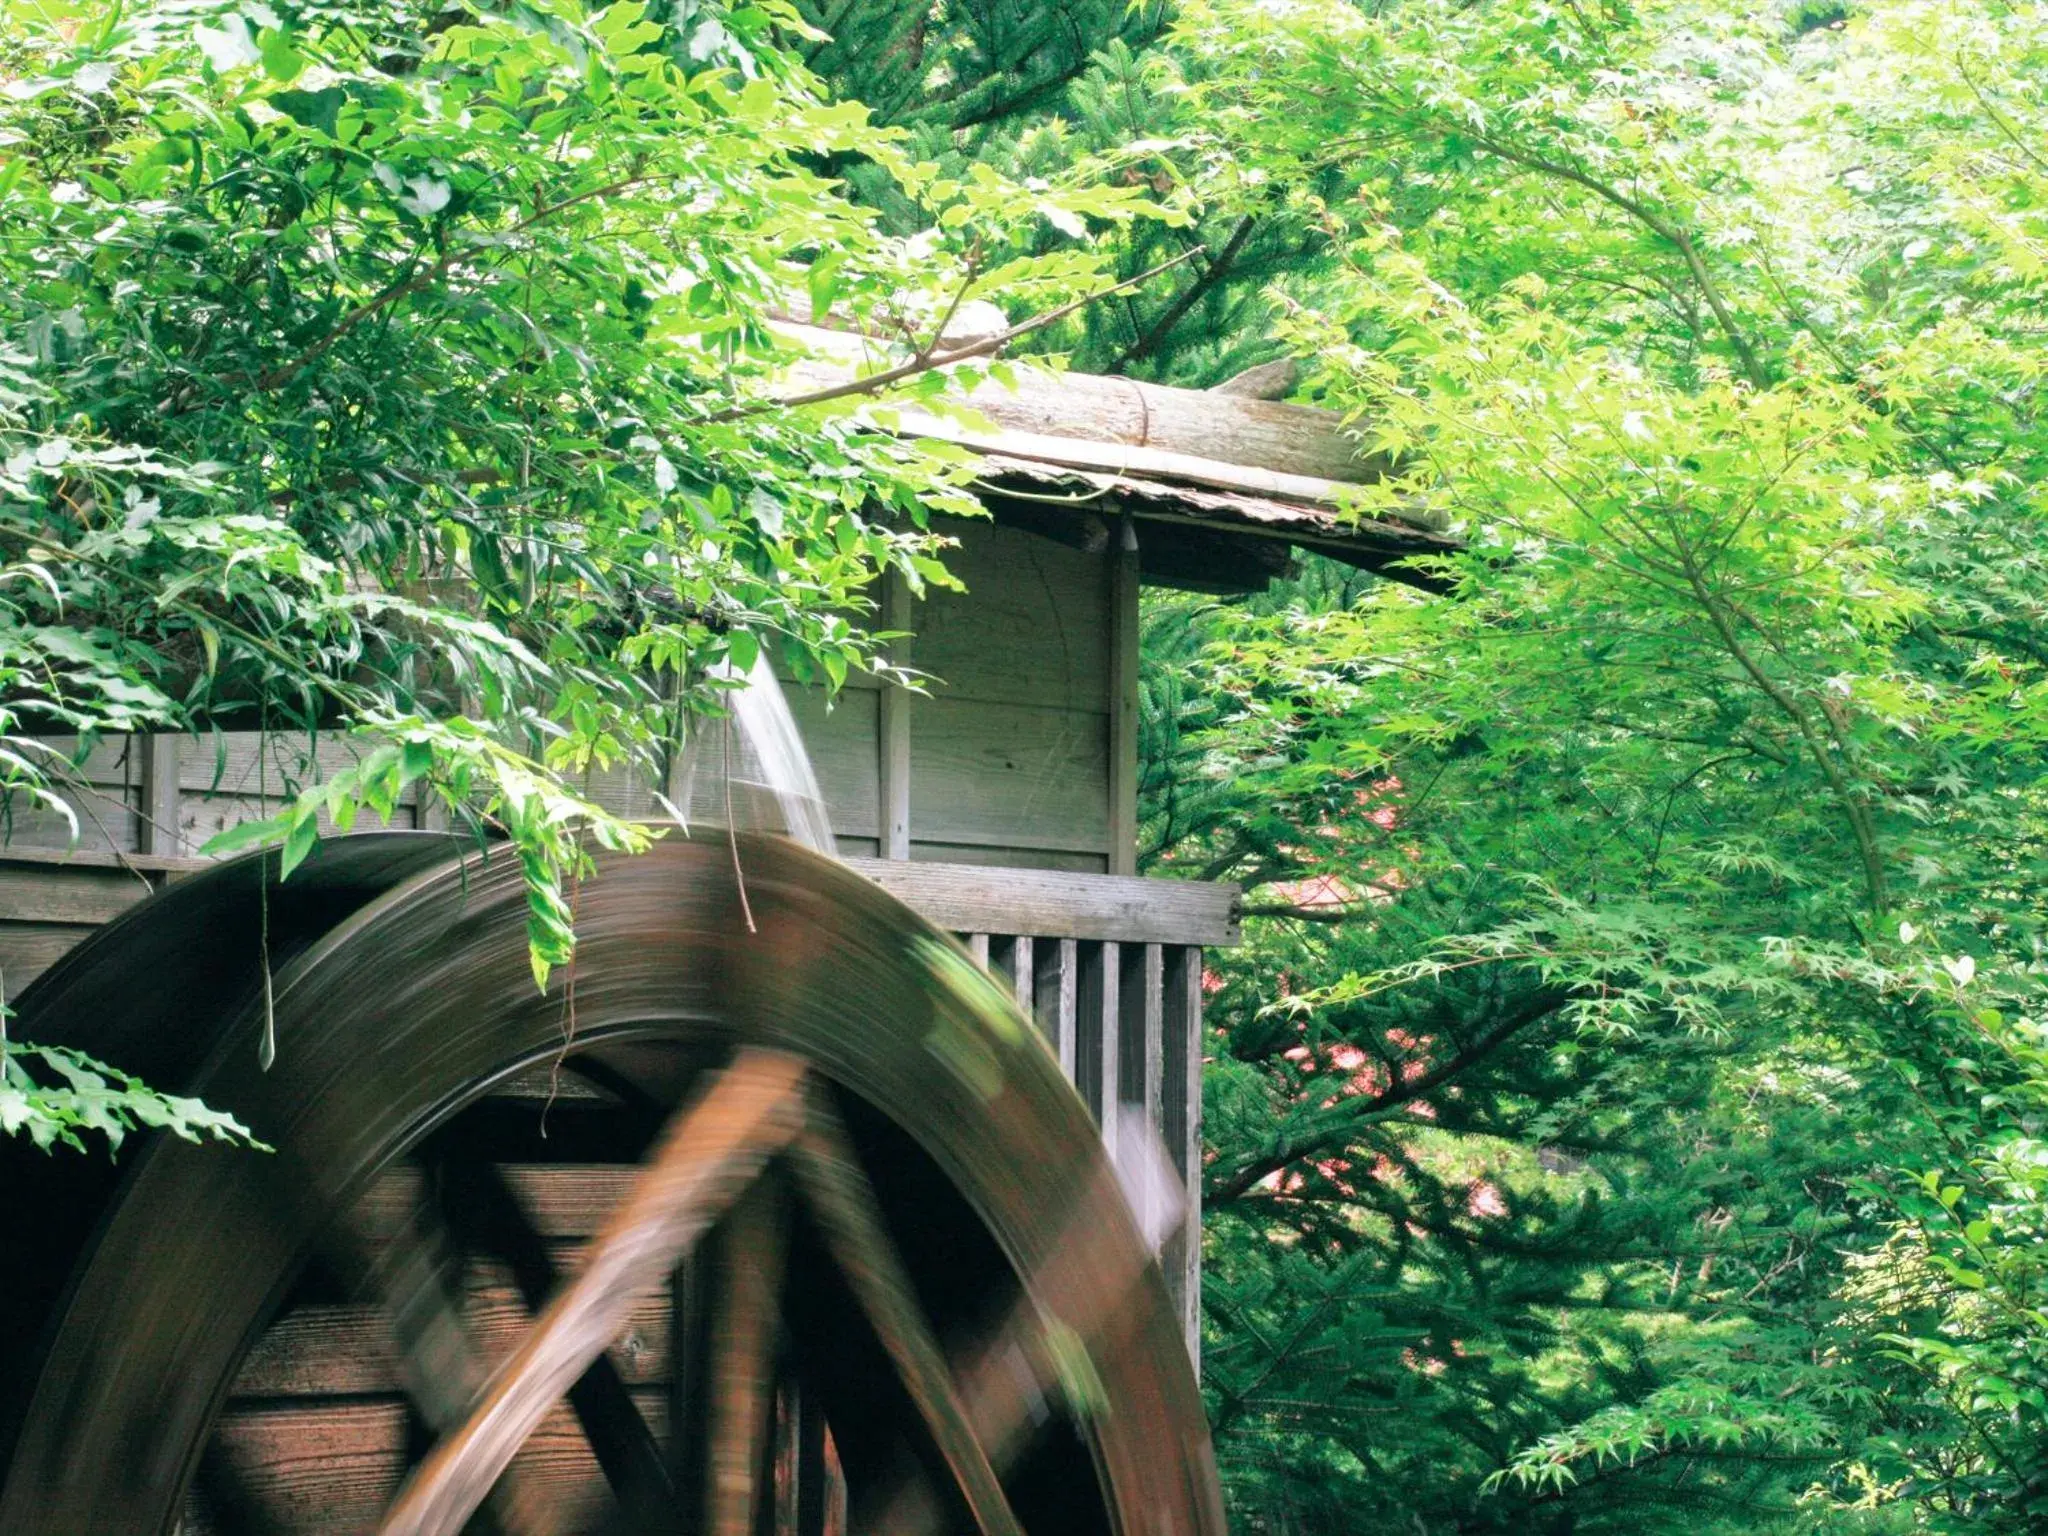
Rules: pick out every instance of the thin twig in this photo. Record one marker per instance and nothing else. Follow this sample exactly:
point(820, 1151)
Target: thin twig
point(927, 360)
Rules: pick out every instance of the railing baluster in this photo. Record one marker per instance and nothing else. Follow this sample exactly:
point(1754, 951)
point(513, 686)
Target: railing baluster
point(1023, 974)
point(1097, 1047)
point(1054, 991)
point(1139, 1023)
point(1181, 1124)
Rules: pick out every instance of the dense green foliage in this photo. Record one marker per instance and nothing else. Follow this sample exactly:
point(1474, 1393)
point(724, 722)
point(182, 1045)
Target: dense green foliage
point(1630, 1116)
point(1627, 1111)
point(407, 369)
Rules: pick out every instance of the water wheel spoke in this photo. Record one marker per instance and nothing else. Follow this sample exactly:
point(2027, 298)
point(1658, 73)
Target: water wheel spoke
point(843, 1202)
point(813, 1486)
point(486, 1217)
point(440, 1366)
point(747, 1259)
point(713, 1149)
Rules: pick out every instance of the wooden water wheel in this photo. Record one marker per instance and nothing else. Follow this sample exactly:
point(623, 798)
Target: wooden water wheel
point(773, 1215)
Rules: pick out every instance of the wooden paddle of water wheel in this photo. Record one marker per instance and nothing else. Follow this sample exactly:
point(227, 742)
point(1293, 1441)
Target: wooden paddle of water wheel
point(773, 1215)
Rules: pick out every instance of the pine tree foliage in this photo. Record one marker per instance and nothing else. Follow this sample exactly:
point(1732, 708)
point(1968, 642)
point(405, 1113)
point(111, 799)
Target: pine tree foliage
point(1046, 91)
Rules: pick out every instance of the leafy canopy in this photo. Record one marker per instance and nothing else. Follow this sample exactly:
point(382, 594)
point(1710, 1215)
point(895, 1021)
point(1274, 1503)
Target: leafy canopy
point(1629, 1113)
point(409, 369)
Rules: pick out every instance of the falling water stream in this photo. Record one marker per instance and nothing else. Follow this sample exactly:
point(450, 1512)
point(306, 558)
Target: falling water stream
point(751, 770)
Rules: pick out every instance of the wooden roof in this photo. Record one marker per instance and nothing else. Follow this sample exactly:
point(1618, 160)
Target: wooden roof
point(1220, 485)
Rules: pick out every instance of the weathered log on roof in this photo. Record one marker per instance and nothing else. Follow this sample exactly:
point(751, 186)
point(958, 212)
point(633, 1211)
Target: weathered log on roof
point(1226, 462)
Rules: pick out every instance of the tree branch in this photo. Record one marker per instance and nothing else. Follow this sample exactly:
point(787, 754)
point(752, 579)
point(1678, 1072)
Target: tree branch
point(1357, 1111)
point(1664, 228)
point(1189, 297)
point(928, 359)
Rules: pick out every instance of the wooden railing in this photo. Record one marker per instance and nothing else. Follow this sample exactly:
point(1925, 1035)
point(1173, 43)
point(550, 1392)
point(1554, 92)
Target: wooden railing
point(1111, 968)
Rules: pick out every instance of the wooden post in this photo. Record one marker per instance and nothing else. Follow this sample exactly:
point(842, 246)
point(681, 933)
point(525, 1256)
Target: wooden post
point(157, 821)
point(1181, 1116)
point(894, 727)
point(1123, 702)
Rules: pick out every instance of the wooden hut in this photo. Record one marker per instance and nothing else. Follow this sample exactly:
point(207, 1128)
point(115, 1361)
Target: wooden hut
point(1003, 802)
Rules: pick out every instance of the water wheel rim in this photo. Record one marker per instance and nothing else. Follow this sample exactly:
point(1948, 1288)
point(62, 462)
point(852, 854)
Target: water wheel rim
point(992, 1100)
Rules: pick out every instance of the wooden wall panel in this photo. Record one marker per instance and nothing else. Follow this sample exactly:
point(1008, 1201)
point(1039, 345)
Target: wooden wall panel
point(842, 743)
point(29, 949)
point(332, 1466)
point(1030, 628)
point(990, 856)
point(1009, 776)
point(104, 791)
point(228, 763)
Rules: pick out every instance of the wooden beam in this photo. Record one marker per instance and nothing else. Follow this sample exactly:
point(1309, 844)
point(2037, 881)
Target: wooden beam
point(1296, 441)
point(1058, 904)
point(1123, 702)
point(1224, 563)
point(893, 733)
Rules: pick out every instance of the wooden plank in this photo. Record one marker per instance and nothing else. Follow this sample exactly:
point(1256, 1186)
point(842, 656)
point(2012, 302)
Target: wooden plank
point(347, 1350)
point(201, 817)
point(562, 1200)
point(544, 1083)
point(892, 729)
point(29, 949)
point(159, 867)
point(1011, 775)
point(105, 821)
point(1029, 629)
point(977, 946)
point(233, 762)
point(1022, 971)
point(110, 760)
point(995, 856)
point(56, 893)
point(1123, 702)
point(1053, 904)
point(328, 1468)
point(157, 814)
